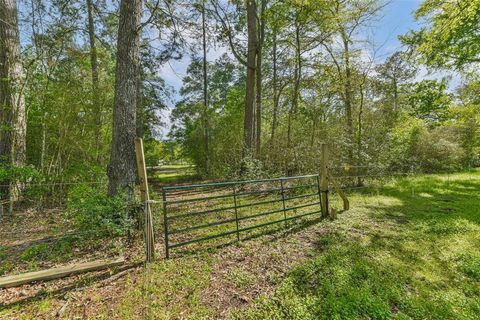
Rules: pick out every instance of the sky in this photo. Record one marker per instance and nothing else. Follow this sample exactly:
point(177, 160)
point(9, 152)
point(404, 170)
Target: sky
point(395, 19)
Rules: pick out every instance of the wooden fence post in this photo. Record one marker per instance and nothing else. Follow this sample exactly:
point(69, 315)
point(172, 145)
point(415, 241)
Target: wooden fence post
point(324, 180)
point(145, 197)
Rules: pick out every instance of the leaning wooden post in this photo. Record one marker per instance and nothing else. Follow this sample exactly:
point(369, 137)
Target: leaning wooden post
point(145, 197)
point(324, 180)
point(346, 203)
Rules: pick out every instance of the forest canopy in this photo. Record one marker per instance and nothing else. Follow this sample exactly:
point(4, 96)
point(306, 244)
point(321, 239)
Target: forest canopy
point(267, 83)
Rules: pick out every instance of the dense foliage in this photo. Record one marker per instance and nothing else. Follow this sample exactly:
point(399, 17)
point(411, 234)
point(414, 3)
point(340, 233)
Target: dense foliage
point(322, 84)
point(317, 80)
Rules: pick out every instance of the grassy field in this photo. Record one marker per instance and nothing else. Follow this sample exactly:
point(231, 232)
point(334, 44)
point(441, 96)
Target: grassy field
point(408, 250)
point(402, 255)
point(173, 173)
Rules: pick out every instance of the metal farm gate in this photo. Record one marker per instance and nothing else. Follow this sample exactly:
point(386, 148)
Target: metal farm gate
point(197, 213)
point(201, 212)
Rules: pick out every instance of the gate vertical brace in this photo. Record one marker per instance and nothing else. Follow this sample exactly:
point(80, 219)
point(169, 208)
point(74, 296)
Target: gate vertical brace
point(236, 211)
point(324, 180)
point(145, 197)
point(165, 223)
point(283, 202)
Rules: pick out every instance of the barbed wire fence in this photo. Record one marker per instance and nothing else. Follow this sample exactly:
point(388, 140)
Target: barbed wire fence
point(29, 231)
point(370, 179)
point(39, 230)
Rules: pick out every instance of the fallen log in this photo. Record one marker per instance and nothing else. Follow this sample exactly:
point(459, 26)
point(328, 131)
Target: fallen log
point(60, 272)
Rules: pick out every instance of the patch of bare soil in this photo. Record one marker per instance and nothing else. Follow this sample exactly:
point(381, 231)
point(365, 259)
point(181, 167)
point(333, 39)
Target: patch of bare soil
point(34, 239)
point(243, 273)
point(240, 274)
point(76, 297)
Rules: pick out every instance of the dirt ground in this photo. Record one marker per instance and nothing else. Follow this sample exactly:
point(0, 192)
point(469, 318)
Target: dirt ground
point(236, 275)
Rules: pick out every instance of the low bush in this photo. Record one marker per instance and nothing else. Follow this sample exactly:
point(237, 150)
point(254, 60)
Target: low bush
point(94, 211)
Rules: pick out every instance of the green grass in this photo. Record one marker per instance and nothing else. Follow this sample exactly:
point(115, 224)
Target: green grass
point(177, 173)
point(407, 250)
point(172, 288)
point(403, 255)
point(56, 251)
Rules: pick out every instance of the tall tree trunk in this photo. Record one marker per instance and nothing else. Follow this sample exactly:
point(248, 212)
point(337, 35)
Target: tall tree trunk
point(13, 124)
point(296, 85)
point(314, 126)
point(298, 67)
point(140, 109)
point(43, 144)
point(205, 92)
point(258, 103)
point(275, 86)
point(360, 133)
point(348, 95)
point(251, 69)
point(97, 109)
point(261, 38)
point(122, 167)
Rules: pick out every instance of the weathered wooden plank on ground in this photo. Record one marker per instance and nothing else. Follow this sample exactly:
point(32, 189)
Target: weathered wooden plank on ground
point(60, 272)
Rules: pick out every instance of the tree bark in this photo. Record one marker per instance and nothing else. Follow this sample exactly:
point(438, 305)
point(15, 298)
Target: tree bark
point(97, 111)
point(261, 38)
point(251, 69)
point(348, 96)
point(360, 131)
point(13, 124)
point(298, 68)
point(122, 167)
point(140, 109)
point(205, 92)
point(296, 86)
point(275, 86)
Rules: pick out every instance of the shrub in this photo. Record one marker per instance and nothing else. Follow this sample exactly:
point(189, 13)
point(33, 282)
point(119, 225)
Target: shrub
point(252, 169)
point(437, 153)
point(93, 210)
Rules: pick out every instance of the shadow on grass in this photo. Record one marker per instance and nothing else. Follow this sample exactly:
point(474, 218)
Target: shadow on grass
point(434, 200)
point(431, 199)
point(412, 260)
point(269, 233)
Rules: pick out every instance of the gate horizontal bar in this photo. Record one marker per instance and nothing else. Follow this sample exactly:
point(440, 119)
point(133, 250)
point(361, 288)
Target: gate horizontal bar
point(175, 245)
point(180, 244)
point(278, 221)
point(198, 213)
point(213, 224)
point(302, 196)
point(223, 196)
point(199, 199)
point(202, 226)
point(229, 183)
point(260, 214)
point(277, 211)
point(239, 194)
